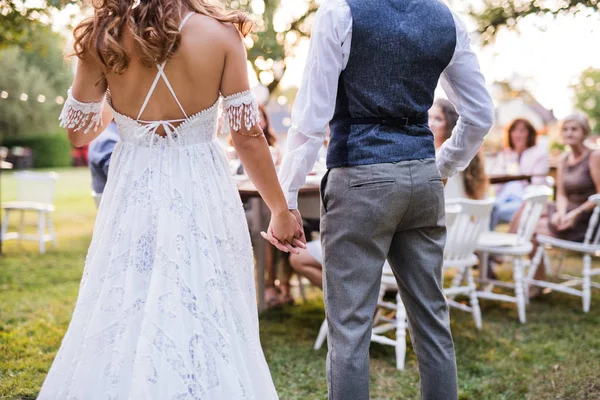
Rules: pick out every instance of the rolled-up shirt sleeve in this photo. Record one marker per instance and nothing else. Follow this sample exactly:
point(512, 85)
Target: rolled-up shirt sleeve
point(464, 85)
point(315, 103)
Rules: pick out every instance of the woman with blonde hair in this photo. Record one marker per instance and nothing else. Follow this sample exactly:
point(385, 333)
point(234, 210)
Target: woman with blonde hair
point(167, 306)
point(577, 178)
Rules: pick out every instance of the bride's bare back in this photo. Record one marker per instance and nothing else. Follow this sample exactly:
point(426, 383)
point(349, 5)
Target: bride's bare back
point(211, 59)
point(204, 65)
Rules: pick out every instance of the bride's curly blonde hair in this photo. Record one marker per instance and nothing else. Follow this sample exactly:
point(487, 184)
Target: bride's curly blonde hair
point(153, 23)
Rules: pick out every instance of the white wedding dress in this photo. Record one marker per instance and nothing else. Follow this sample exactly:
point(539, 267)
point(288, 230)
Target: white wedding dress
point(166, 307)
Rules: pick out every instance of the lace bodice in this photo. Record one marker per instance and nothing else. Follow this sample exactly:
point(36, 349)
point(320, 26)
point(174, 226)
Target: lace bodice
point(239, 111)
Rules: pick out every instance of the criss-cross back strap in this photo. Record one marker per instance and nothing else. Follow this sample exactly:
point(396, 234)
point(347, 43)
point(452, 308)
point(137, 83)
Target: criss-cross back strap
point(161, 73)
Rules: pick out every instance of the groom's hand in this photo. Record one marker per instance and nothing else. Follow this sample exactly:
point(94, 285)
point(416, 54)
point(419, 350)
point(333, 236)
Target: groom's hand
point(300, 234)
point(292, 245)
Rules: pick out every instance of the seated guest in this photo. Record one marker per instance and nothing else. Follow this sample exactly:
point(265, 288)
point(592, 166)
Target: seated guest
point(99, 154)
point(522, 156)
point(473, 182)
point(578, 178)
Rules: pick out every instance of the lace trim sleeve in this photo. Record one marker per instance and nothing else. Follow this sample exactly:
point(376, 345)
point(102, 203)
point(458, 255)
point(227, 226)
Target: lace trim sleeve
point(240, 110)
point(77, 115)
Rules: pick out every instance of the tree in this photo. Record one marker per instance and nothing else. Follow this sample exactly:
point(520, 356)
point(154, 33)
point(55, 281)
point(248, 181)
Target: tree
point(496, 14)
point(269, 45)
point(587, 96)
point(32, 78)
point(273, 39)
point(18, 22)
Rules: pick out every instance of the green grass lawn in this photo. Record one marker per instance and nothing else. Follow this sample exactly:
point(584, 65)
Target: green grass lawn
point(556, 355)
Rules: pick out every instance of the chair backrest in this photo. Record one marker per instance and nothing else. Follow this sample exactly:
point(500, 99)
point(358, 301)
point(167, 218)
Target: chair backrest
point(594, 223)
point(35, 186)
point(534, 202)
point(463, 234)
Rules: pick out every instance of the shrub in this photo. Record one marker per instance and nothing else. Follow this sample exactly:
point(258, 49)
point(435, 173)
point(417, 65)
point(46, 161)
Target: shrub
point(49, 150)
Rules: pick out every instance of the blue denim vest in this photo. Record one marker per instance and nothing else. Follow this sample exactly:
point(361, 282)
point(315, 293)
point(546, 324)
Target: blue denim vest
point(399, 50)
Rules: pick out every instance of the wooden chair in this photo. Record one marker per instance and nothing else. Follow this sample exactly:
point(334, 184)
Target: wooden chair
point(383, 323)
point(35, 191)
point(518, 246)
point(589, 248)
point(471, 217)
point(463, 234)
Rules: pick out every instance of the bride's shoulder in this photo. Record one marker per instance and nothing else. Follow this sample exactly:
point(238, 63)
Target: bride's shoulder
point(204, 28)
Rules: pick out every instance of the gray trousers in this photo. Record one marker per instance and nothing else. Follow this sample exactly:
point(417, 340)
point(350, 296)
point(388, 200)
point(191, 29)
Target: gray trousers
point(370, 213)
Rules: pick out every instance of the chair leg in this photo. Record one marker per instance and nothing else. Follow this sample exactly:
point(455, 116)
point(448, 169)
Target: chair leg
point(535, 263)
point(42, 232)
point(21, 226)
point(379, 312)
point(547, 265)
point(483, 268)
point(519, 289)
point(322, 336)
point(400, 333)
point(473, 297)
point(587, 291)
point(5, 224)
point(51, 230)
point(458, 279)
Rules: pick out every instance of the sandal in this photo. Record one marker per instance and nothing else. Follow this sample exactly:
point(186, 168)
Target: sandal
point(273, 300)
point(286, 297)
point(535, 292)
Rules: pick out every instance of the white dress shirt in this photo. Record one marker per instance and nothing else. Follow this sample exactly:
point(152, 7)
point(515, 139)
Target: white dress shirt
point(315, 103)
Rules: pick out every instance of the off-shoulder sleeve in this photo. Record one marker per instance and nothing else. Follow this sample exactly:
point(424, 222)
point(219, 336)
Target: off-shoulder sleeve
point(240, 111)
point(77, 115)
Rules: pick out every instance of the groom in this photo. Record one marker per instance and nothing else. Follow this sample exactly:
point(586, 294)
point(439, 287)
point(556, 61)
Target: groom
point(373, 66)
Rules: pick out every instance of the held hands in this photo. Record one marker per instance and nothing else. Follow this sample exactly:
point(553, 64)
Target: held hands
point(285, 232)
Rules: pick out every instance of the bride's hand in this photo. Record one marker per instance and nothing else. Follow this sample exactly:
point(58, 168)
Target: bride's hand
point(284, 231)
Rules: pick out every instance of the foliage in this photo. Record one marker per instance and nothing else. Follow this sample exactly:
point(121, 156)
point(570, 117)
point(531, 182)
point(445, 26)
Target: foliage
point(18, 23)
point(587, 96)
point(34, 68)
point(272, 43)
point(496, 14)
point(49, 150)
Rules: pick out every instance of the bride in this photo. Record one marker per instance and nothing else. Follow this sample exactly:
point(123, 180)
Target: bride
point(166, 307)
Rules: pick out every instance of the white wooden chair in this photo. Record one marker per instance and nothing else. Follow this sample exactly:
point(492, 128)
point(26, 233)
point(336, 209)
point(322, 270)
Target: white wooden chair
point(518, 246)
point(590, 247)
point(473, 217)
point(35, 191)
point(467, 224)
point(382, 323)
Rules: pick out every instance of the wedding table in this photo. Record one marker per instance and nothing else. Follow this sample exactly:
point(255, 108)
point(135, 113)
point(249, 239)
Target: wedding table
point(503, 178)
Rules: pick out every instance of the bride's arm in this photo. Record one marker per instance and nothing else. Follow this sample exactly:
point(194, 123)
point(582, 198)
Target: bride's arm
point(241, 116)
point(83, 113)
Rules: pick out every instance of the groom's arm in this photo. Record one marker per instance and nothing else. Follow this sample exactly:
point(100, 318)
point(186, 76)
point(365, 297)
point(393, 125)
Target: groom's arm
point(465, 87)
point(315, 102)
